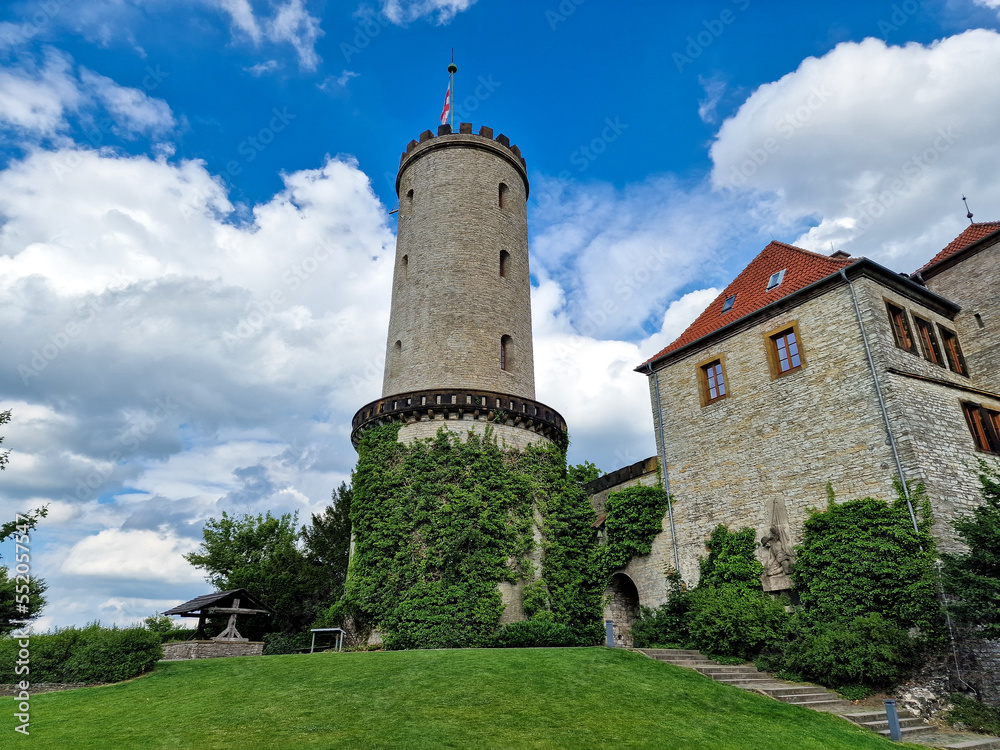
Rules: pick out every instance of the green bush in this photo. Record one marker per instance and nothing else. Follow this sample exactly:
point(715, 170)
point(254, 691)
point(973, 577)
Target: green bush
point(731, 560)
point(869, 651)
point(973, 578)
point(863, 557)
point(666, 625)
point(727, 615)
point(282, 643)
point(532, 633)
point(113, 655)
point(973, 715)
point(732, 621)
point(91, 654)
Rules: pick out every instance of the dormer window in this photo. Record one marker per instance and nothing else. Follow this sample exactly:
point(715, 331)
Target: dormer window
point(775, 279)
point(728, 304)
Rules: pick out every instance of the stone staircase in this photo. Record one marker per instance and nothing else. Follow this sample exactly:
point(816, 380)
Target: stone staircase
point(748, 677)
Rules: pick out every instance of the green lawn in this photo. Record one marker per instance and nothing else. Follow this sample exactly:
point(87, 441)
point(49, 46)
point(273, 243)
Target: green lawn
point(512, 698)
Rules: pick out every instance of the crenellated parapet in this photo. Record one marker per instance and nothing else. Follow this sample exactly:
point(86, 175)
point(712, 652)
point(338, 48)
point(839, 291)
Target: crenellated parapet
point(464, 138)
point(457, 405)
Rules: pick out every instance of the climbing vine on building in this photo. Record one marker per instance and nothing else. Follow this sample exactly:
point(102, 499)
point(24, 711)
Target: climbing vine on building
point(634, 516)
point(439, 523)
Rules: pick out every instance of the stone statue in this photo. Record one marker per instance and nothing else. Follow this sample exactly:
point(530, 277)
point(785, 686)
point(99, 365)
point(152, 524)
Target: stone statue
point(779, 560)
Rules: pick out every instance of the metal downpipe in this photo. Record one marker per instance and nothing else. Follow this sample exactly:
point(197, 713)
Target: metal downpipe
point(663, 467)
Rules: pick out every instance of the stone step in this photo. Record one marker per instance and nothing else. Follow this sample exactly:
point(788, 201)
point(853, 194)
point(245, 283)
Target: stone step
point(824, 695)
point(819, 699)
point(723, 669)
point(827, 706)
point(683, 659)
point(747, 683)
point(879, 724)
point(905, 732)
point(860, 717)
point(719, 676)
point(780, 690)
point(671, 652)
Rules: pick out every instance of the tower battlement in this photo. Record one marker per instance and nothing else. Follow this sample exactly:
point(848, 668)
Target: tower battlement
point(446, 137)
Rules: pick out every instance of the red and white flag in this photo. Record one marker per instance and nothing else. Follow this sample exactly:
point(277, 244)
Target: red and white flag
point(447, 107)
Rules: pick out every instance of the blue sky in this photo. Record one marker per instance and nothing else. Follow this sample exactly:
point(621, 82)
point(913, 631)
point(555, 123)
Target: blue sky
point(196, 240)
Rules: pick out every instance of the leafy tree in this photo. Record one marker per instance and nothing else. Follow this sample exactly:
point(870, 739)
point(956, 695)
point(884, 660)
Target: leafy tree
point(260, 554)
point(328, 542)
point(11, 618)
point(974, 578)
point(583, 473)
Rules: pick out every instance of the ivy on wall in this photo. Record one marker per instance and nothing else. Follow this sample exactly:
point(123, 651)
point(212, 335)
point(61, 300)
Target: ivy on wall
point(439, 523)
point(634, 516)
point(864, 556)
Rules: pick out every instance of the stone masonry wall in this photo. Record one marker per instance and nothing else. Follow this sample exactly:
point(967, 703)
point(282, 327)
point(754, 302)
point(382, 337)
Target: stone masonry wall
point(772, 444)
point(980, 665)
point(450, 305)
point(974, 283)
point(929, 425)
point(210, 649)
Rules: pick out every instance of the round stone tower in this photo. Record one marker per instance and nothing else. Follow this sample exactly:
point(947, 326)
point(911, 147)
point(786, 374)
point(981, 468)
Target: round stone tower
point(459, 344)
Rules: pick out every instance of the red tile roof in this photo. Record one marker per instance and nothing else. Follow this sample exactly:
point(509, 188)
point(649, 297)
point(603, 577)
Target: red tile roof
point(972, 233)
point(802, 268)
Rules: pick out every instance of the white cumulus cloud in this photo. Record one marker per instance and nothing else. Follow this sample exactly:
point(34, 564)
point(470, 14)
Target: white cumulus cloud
point(875, 143)
point(142, 555)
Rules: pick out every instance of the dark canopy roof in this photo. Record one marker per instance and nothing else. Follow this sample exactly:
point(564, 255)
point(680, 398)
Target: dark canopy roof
point(220, 600)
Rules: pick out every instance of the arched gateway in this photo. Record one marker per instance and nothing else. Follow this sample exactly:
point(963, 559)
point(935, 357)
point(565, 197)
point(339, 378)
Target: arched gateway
point(621, 607)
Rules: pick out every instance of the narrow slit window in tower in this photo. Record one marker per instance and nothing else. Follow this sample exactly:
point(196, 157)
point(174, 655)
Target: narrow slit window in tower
point(505, 352)
point(397, 355)
point(503, 194)
point(504, 255)
point(404, 265)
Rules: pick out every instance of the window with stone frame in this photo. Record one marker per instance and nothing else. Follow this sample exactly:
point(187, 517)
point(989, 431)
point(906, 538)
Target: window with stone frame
point(784, 351)
point(928, 341)
point(984, 424)
point(953, 351)
point(712, 378)
point(900, 328)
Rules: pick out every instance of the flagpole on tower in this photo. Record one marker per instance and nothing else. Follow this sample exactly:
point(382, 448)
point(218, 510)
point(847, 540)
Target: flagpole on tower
point(452, 69)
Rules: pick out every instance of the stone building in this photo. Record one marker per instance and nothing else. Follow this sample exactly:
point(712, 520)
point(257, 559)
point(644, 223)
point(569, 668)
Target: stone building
point(810, 369)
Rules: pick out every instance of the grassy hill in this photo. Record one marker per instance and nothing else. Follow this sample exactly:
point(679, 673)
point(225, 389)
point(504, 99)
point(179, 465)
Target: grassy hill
point(516, 698)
